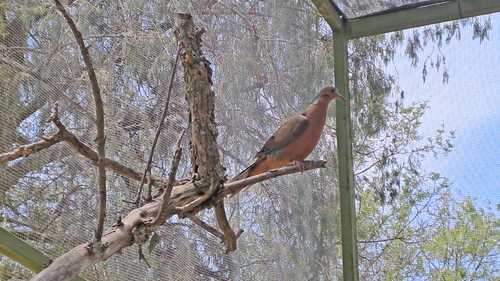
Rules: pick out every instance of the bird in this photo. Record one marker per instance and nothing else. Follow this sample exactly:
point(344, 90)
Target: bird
point(295, 139)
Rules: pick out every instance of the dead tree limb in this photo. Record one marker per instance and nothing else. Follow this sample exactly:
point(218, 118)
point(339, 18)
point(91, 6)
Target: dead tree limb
point(162, 214)
point(201, 106)
point(28, 149)
point(99, 112)
point(230, 236)
point(73, 262)
point(79, 147)
point(201, 103)
point(196, 220)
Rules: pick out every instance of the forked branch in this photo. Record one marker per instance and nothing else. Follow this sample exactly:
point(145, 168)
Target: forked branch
point(99, 112)
point(29, 149)
point(73, 262)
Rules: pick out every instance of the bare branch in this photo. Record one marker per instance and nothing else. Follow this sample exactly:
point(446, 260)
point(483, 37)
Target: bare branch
point(99, 112)
point(27, 150)
point(73, 262)
point(206, 226)
point(236, 186)
point(157, 135)
point(229, 236)
point(162, 214)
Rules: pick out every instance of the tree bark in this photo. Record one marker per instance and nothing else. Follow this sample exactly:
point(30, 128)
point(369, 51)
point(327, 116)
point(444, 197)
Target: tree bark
point(73, 262)
point(201, 100)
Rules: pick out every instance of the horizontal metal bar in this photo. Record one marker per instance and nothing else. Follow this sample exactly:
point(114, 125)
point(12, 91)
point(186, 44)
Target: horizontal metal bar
point(419, 16)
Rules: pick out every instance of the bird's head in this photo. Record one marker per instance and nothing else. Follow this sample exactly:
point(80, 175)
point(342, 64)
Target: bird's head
point(329, 93)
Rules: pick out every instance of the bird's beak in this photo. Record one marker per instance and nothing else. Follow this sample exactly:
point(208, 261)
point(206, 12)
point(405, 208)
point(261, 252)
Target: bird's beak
point(341, 97)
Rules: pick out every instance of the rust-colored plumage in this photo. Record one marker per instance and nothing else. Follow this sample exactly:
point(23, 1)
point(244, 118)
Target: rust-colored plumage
point(295, 139)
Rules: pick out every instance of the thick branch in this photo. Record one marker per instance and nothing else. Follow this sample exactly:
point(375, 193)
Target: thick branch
point(99, 112)
point(201, 105)
point(73, 262)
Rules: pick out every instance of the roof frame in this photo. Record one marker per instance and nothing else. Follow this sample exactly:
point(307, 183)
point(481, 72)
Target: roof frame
point(420, 14)
point(403, 17)
point(332, 14)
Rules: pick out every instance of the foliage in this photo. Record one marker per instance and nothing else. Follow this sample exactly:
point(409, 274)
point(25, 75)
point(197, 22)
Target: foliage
point(269, 58)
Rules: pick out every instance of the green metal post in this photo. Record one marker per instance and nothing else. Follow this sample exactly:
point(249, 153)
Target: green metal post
point(344, 153)
point(23, 253)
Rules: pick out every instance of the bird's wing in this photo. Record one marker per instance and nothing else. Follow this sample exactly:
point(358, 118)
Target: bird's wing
point(286, 134)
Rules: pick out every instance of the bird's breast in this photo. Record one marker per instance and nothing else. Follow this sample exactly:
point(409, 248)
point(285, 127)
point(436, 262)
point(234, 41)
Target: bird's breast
point(299, 149)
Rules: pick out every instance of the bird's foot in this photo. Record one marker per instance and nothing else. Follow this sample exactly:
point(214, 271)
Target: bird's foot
point(299, 164)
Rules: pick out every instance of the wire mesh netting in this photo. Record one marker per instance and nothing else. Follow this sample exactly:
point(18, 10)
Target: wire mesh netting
point(269, 59)
point(359, 8)
point(49, 199)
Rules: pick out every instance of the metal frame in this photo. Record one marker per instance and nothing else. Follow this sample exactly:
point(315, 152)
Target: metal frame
point(414, 15)
point(23, 253)
point(344, 152)
point(344, 28)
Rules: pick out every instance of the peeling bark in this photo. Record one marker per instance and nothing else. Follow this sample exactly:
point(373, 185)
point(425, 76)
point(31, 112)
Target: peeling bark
point(201, 101)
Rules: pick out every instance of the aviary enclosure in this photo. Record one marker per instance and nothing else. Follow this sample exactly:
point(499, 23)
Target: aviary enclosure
point(124, 122)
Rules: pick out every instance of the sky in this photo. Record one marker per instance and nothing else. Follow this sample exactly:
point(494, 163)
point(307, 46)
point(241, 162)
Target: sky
point(469, 104)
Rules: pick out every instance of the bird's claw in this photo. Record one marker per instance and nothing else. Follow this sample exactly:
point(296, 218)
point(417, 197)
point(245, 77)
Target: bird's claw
point(299, 164)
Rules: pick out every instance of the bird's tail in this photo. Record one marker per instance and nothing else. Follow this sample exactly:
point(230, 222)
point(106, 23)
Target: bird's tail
point(247, 171)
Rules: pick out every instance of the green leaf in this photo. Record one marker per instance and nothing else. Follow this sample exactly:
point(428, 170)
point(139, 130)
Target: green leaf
point(153, 242)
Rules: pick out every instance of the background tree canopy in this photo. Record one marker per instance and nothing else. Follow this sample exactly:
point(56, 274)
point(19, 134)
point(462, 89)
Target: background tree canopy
point(269, 59)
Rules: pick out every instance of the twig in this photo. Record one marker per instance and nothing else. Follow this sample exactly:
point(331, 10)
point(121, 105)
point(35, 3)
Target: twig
point(157, 134)
point(99, 112)
point(382, 240)
point(162, 214)
point(206, 226)
point(230, 237)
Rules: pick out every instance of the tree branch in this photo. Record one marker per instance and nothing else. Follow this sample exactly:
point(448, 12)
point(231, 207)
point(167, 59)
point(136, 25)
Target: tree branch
point(229, 237)
point(99, 112)
point(86, 151)
point(207, 227)
point(162, 214)
point(201, 105)
point(73, 262)
point(157, 135)
point(27, 150)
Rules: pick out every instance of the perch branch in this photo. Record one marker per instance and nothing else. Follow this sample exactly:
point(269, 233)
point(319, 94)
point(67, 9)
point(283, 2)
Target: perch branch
point(76, 260)
point(157, 135)
point(99, 112)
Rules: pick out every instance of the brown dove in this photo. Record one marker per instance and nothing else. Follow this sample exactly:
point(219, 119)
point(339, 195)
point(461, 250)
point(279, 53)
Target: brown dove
point(295, 139)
